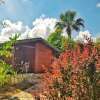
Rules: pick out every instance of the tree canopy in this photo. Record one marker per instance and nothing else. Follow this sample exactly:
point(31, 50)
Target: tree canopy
point(70, 22)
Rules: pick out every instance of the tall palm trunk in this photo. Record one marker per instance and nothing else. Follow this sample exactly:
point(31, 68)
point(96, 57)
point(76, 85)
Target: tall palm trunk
point(69, 32)
point(69, 35)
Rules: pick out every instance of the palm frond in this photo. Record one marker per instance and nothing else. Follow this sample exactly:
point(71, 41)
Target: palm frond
point(80, 20)
point(60, 25)
point(76, 27)
point(81, 24)
point(68, 21)
point(70, 15)
point(62, 17)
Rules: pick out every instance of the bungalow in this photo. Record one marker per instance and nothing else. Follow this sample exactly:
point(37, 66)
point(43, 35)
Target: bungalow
point(32, 55)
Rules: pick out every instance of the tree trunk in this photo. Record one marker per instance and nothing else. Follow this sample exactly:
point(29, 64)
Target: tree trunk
point(69, 32)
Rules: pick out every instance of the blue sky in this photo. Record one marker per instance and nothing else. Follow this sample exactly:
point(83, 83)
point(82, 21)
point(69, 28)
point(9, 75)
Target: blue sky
point(28, 10)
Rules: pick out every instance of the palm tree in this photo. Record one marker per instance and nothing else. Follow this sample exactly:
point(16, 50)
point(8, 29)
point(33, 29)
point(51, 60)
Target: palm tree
point(69, 22)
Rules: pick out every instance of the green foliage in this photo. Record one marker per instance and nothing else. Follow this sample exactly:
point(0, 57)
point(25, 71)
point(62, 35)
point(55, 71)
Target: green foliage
point(6, 48)
point(5, 69)
point(70, 43)
point(69, 22)
point(13, 39)
point(97, 43)
point(61, 42)
point(57, 40)
point(6, 54)
point(93, 77)
point(98, 40)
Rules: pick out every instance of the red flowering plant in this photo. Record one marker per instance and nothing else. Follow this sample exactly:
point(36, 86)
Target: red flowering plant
point(75, 75)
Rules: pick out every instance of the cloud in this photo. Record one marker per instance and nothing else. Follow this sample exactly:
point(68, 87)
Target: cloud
point(3, 39)
point(42, 27)
point(2, 1)
point(11, 28)
point(84, 36)
point(98, 5)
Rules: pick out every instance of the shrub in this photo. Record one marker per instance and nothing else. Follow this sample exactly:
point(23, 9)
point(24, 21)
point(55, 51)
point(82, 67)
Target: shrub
point(6, 54)
point(75, 75)
point(57, 40)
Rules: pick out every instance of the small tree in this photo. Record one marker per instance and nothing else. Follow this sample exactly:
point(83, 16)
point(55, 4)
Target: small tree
point(57, 40)
point(5, 54)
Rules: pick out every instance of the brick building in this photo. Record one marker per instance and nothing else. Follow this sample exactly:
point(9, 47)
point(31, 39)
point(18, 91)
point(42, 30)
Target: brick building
point(31, 55)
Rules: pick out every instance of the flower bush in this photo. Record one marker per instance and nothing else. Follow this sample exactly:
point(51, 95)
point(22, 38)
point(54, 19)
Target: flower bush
point(75, 75)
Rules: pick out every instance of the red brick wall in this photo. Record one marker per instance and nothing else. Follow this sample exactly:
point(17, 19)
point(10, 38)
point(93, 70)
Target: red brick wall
point(43, 57)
